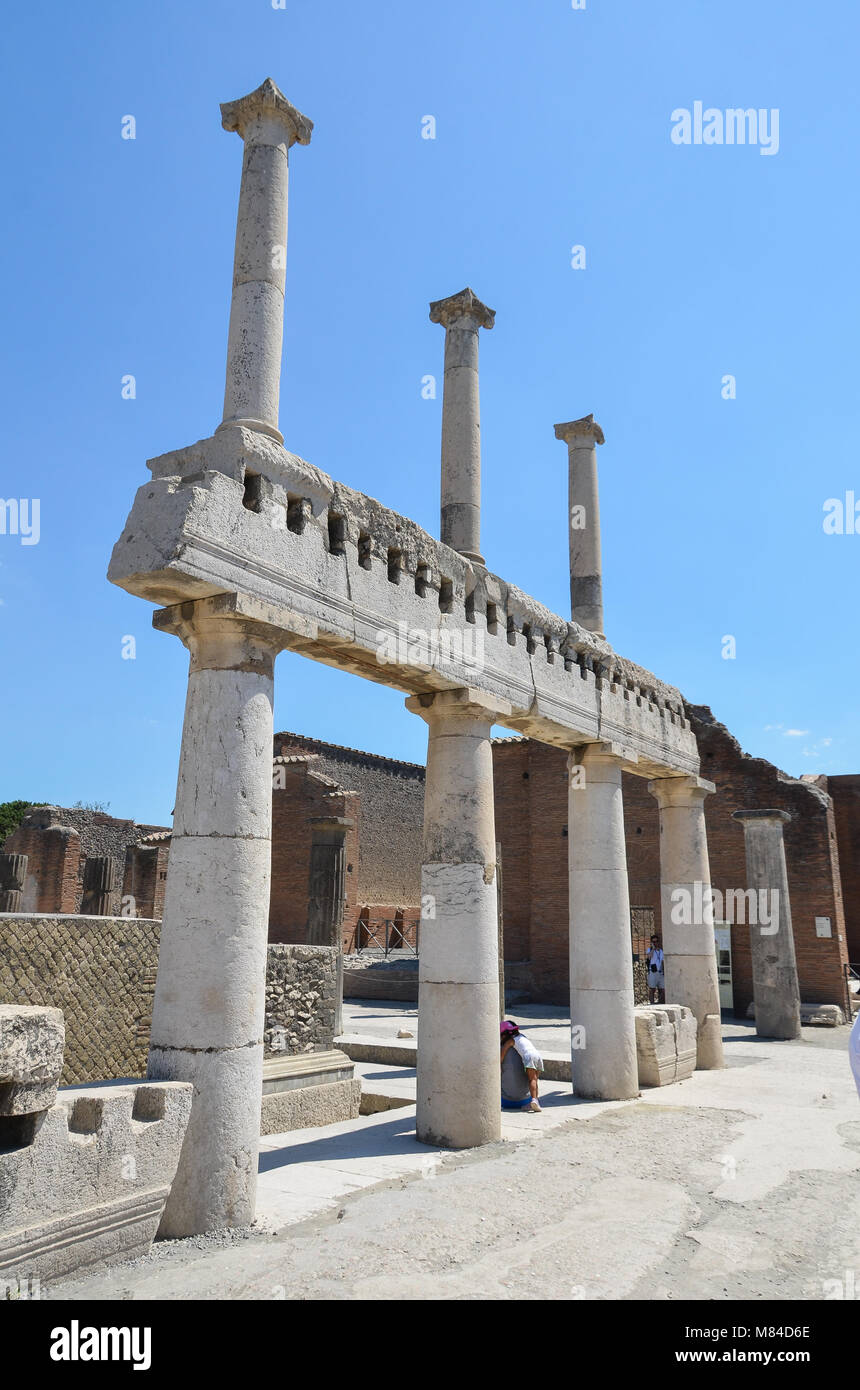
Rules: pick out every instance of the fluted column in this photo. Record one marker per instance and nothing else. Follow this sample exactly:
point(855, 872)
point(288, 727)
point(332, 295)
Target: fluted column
point(775, 987)
point(603, 1027)
point(459, 1084)
point(690, 958)
point(462, 315)
point(269, 126)
point(583, 519)
point(208, 1012)
point(13, 875)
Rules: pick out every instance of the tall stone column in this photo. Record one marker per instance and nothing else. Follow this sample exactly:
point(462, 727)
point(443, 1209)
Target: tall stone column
point(603, 1028)
point(13, 874)
point(458, 1026)
point(461, 315)
point(775, 988)
point(687, 910)
point(583, 519)
point(100, 885)
point(326, 893)
point(209, 1007)
point(269, 126)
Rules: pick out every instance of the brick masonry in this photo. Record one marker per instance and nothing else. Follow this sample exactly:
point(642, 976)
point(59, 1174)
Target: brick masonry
point(101, 972)
point(531, 808)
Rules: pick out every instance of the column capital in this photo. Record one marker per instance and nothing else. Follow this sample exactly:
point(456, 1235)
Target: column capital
point(230, 630)
point(268, 103)
point(680, 791)
point(607, 752)
point(465, 305)
point(772, 814)
point(586, 431)
point(466, 701)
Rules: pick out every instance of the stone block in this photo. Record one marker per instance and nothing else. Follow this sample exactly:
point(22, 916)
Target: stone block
point(827, 1015)
point(656, 1050)
point(666, 1047)
point(32, 1041)
point(89, 1186)
point(307, 1106)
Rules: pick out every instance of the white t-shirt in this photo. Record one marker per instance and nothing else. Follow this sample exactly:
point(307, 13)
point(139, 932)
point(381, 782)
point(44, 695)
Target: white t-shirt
point(528, 1052)
point(655, 960)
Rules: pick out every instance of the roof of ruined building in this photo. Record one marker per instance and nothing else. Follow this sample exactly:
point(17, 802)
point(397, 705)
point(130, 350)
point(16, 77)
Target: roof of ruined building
point(156, 837)
point(355, 753)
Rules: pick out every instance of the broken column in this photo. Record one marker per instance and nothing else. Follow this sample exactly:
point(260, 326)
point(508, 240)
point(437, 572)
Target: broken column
point(209, 1007)
point(13, 873)
point(690, 957)
point(586, 582)
point(462, 315)
point(269, 126)
point(100, 885)
point(603, 1028)
point(775, 988)
point(327, 891)
point(458, 1089)
point(32, 1043)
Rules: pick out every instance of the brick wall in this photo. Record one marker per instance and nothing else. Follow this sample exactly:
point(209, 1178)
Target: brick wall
point(58, 840)
point(101, 972)
point(391, 795)
point(845, 792)
point(306, 792)
point(531, 821)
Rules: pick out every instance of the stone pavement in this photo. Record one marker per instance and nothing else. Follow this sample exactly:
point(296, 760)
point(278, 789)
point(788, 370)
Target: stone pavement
point(741, 1183)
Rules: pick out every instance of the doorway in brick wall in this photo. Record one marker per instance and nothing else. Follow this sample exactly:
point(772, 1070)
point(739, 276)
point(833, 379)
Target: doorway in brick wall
point(641, 931)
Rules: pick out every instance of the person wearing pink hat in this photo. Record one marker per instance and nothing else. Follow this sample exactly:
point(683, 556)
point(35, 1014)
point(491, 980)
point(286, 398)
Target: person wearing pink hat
point(521, 1066)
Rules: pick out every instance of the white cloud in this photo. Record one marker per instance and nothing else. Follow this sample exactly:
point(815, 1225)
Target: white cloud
point(795, 733)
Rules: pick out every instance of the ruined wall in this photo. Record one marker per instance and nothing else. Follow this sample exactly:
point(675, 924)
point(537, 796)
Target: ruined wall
point(305, 793)
point(101, 972)
point(845, 792)
point(814, 884)
point(301, 999)
point(392, 816)
point(533, 810)
point(58, 840)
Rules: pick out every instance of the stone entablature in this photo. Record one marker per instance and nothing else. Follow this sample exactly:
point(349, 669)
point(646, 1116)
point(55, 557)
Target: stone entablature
point(238, 513)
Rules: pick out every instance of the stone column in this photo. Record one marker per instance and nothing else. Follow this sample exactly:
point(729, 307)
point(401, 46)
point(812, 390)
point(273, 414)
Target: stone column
point(100, 885)
point(461, 315)
point(209, 1007)
point(326, 893)
point(13, 874)
point(775, 988)
point(583, 519)
point(687, 909)
point(269, 125)
point(603, 1029)
point(458, 1026)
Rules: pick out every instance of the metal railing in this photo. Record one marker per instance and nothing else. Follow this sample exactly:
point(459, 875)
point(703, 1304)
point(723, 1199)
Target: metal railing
point(387, 937)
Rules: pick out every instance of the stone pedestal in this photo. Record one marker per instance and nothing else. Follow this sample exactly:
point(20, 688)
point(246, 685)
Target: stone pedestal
point(586, 577)
point(686, 909)
point(601, 962)
point(462, 315)
point(775, 988)
point(458, 1090)
point(13, 874)
point(269, 126)
point(208, 1012)
point(326, 893)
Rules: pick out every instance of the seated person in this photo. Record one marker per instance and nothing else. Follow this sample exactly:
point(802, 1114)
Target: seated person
point(521, 1065)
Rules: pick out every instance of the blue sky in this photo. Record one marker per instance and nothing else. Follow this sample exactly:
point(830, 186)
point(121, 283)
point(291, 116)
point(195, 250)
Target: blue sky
point(552, 130)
